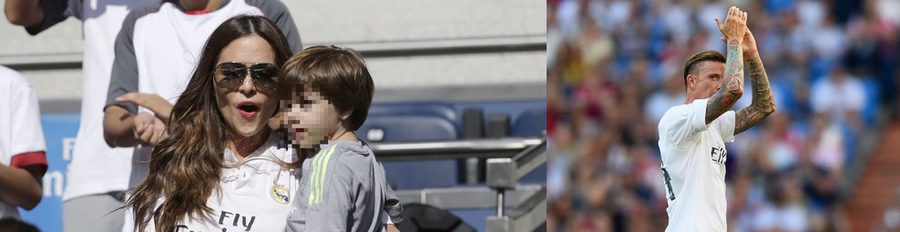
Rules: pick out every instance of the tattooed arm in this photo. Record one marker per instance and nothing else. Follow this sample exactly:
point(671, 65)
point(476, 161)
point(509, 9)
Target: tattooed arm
point(732, 87)
point(763, 103)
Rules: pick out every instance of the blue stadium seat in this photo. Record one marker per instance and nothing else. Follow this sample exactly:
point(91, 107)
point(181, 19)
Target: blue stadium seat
point(402, 122)
point(514, 108)
point(409, 122)
point(531, 123)
point(433, 109)
point(400, 128)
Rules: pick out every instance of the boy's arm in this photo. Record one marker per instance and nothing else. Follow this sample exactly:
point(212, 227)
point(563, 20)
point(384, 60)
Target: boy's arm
point(118, 117)
point(20, 186)
point(392, 205)
point(331, 194)
point(38, 15)
point(23, 12)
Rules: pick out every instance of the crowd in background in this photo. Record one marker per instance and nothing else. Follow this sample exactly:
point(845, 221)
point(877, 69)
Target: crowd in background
point(615, 66)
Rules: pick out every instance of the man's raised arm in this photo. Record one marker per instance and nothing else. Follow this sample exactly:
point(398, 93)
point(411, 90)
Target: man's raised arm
point(733, 84)
point(763, 103)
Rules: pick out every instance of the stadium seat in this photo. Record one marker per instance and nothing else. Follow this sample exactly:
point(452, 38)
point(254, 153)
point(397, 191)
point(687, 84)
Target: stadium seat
point(513, 108)
point(414, 122)
point(433, 109)
point(531, 123)
point(406, 128)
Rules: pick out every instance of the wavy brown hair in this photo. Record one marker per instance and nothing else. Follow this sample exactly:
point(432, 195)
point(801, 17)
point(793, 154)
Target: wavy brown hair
point(185, 167)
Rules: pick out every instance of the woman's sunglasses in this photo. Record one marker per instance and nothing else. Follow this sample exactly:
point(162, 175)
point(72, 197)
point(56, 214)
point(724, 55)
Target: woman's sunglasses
point(233, 73)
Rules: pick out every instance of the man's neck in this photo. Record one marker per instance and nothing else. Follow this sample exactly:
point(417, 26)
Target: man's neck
point(690, 98)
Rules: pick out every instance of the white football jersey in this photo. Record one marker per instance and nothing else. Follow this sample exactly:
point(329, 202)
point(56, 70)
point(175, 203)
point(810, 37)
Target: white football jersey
point(693, 164)
point(255, 195)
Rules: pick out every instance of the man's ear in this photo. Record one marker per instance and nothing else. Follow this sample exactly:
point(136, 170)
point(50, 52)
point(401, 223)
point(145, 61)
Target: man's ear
point(691, 81)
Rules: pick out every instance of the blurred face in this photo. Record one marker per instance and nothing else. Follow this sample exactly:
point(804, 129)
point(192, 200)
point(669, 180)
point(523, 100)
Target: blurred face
point(311, 119)
point(708, 79)
point(244, 79)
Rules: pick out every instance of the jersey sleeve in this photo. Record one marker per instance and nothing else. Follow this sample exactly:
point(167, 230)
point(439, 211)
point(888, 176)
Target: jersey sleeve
point(680, 124)
point(124, 77)
point(725, 126)
point(28, 146)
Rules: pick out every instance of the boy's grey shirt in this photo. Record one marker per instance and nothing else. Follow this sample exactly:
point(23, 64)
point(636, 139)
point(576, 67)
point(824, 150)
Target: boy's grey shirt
point(343, 188)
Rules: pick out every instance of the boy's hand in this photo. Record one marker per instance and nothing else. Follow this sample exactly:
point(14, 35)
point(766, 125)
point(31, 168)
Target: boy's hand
point(735, 25)
point(149, 129)
point(160, 107)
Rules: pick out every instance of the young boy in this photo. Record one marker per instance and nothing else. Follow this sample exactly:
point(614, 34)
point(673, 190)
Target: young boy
point(342, 186)
point(23, 161)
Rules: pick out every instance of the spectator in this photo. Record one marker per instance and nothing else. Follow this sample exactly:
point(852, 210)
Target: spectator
point(22, 158)
point(157, 49)
point(97, 174)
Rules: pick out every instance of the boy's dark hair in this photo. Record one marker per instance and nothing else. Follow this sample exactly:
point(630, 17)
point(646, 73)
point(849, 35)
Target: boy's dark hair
point(690, 66)
point(338, 74)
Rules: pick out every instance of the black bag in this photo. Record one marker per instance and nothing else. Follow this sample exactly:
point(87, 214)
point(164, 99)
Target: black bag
point(426, 218)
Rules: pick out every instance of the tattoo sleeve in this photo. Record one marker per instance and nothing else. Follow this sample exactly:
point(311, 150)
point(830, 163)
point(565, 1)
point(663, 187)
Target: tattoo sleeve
point(732, 86)
point(763, 103)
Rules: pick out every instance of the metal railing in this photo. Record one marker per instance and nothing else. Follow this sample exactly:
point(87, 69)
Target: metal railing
point(478, 148)
point(508, 160)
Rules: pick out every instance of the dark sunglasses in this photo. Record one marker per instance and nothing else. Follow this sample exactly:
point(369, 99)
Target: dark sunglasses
point(233, 73)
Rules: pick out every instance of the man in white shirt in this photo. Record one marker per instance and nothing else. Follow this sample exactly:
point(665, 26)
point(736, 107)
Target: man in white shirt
point(692, 136)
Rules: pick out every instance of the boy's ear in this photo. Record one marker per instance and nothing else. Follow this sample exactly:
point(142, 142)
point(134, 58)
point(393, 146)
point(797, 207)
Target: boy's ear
point(346, 115)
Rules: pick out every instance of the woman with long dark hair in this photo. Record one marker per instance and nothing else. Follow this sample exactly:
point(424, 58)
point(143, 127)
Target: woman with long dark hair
point(219, 167)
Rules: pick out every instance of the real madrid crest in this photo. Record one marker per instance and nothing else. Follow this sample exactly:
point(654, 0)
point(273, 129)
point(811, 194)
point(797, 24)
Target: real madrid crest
point(279, 193)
